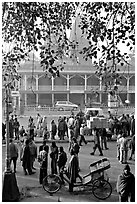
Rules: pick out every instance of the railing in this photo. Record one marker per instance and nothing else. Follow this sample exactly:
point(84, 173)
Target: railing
point(45, 88)
point(60, 88)
point(132, 88)
point(76, 88)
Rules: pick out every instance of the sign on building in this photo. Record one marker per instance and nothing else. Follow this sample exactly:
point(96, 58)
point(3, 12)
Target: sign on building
point(15, 93)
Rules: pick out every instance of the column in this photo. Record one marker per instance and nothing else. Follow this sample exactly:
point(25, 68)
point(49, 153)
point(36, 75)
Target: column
point(25, 79)
point(85, 98)
point(85, 82)
point(37, 82)
point(128, 88)
point(19, 96)
point(52, 99)
point(52, 80)
point(100, 88)
point(37, 99)
point(19, 103)
point(25, 99)
point(67, 96)
point(67, 82)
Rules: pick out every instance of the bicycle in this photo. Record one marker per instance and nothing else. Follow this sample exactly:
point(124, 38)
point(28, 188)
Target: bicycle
point(96, 180)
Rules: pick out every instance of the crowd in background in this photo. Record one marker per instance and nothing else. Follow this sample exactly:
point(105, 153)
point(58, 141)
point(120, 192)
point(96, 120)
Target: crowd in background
point(67, 126)
point(74, 128)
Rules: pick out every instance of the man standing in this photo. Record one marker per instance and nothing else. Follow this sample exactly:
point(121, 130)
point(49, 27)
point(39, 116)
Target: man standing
point(11, 127)
point(71, 127)
point(25, 158)
point(54, 157)
point(44, 144)
point(82, 137)
point(96, 142)
point(43, 160)
point(61, 128)
point(44, 127)
point(123, 148)
point(132, 125)
point(33, 153)
point(13, 154)
point(16, 128)
point(103, 138)
point(126, 185)
point(31, 127)
point(62, 159)
point(53, 129)
point(73, 170)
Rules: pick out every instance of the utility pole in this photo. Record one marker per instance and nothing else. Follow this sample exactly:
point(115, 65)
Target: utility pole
point(7, 166)
point(10, 191)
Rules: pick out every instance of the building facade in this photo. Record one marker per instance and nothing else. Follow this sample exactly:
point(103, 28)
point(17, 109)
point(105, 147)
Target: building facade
point(77, 83)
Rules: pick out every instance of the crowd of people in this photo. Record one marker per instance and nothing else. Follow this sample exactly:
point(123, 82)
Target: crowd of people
point(126, 123)
point(75, 129)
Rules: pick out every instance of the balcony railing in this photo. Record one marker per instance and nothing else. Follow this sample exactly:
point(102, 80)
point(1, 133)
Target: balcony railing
point(60, 88)
point(45, 88)
point(76, 88)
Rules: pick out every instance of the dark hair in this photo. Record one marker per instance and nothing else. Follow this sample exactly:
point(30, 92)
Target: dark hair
point(72, 152)
point(45, 148)
point(27, 142)
point(124, 135)
point(127, 167)
point(74, 139)
point(44, 142)
point(53, 144)
point(11, 139)
point(61, 149)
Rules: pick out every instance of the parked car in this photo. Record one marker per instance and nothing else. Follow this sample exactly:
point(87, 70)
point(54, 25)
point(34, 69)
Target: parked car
point(65, 105)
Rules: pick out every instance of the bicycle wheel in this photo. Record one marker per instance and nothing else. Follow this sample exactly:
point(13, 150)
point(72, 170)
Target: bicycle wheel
point(101, 189)
point(51, 183)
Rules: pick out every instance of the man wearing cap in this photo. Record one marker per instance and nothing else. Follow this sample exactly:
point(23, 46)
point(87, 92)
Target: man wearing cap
point(126, 185)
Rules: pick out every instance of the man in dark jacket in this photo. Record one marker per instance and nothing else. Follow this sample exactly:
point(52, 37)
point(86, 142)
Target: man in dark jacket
point(96, 142)
point(13, 150)
point(62, 159)
point(16, 128)
point(126, 185)
point(73, 170)
point(61, 128)
point(41, 147)
point(53, 129)
point(25, 157)
point(54, 157)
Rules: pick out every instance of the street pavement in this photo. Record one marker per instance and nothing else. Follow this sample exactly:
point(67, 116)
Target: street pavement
point(32, 191)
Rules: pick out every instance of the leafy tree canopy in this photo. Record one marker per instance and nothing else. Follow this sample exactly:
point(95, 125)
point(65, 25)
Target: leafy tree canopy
point(28, 26)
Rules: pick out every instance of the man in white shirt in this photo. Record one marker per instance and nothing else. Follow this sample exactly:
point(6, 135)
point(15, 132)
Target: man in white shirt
point(70, 127)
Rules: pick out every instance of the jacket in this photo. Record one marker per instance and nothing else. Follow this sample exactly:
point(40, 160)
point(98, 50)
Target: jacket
point(73, 168)
point(13, 150)
point(62, 159)
point(126, 185)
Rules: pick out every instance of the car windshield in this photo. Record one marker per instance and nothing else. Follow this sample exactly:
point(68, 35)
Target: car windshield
point(62, 102)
